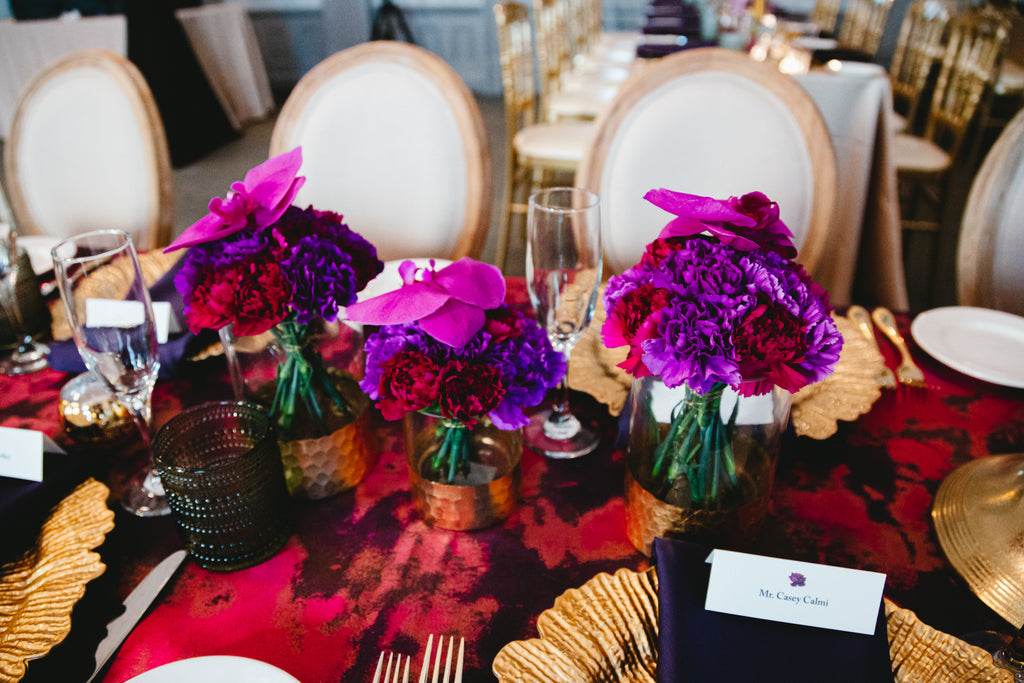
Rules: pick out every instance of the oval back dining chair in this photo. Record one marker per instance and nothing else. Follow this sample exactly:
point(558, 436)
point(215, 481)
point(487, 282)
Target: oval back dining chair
point(87, 150)
point(990, 271)
point(393, 140)
point(710, 122)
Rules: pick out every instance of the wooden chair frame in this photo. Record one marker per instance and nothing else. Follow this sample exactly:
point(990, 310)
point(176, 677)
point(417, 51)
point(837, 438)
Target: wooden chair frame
point(986, 204)
point(157, 232)
point(804, 110)
point(864, 24)
point(480, 184)
point(825, 15)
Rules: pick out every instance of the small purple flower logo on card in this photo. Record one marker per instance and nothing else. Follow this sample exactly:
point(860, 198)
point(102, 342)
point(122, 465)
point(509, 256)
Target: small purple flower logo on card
point(797, 579)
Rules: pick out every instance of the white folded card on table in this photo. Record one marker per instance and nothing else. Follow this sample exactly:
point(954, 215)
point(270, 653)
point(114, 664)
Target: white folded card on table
point(21, 453)
point(119, 313)
point(794, 592)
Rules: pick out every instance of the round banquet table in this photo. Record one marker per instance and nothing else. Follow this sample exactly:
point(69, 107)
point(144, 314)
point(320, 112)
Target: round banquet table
point(362, 572)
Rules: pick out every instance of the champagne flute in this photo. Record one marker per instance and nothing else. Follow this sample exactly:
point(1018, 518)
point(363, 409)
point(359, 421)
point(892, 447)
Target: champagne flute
point(116, 339)
point(563, 270)
point(28, 356)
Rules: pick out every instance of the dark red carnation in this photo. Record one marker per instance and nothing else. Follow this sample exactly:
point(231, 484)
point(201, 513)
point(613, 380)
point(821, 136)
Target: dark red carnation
point(768, 342)
point(503, 323)
point(467, 390)
point(658, 250)
point(254, 296)
point(408, 382)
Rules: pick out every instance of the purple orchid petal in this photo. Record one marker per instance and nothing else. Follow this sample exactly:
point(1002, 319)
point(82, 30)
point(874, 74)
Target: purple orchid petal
point(403, 305)
point(259, 201)
point(697, 207)
point(472, 282)
point(454, 324)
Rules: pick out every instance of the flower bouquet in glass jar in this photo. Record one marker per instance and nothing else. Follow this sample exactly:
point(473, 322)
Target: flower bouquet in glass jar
point(272, 278)
point(721, 327)
point(459, 366)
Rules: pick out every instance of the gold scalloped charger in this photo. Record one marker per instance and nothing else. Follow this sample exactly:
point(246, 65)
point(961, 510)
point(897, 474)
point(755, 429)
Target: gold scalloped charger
point(607, 630)
point(849, 392)
point(38, 591)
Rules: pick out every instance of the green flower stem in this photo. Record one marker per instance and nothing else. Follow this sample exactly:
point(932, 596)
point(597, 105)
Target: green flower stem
point(452, 457)
point(302, 368)
point(698, 445)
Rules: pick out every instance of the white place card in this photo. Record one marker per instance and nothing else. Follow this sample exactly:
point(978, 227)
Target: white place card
point(794, 592)
point(119, 313)
point(21, 453)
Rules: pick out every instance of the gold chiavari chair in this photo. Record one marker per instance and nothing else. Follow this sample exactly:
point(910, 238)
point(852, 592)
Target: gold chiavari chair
point(863, 25)
point(919, 48)
point(925, 163)
point(535, 152)
point(825, 15)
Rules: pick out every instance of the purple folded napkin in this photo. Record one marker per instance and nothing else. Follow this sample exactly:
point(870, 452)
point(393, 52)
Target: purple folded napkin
point(656, 50)
point(64, 354)
point(672, 25)
point(699, 645)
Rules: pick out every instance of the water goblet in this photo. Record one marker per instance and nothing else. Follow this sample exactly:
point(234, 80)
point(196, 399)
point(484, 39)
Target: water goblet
point(28, 355)
point(563, 271)
point(116, 339)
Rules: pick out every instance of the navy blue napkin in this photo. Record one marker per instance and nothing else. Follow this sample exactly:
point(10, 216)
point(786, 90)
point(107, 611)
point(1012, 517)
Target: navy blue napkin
point(64, 354)
point(699, 645)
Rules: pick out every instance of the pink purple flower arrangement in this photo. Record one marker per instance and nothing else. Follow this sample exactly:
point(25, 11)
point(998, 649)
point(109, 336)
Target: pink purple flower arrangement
point(448, 346)
point(718, 301)
point(258, 263)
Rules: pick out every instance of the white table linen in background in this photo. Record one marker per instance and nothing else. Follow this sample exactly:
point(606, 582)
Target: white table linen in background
point(224, 42)
point(865, 242)
point(26, 47)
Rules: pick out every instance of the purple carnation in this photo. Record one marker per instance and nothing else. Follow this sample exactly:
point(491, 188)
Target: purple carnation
point(527, 364)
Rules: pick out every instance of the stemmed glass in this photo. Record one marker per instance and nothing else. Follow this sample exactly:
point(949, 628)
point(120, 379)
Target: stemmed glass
point(116, 339)
point(28, 356)
point(563, 270)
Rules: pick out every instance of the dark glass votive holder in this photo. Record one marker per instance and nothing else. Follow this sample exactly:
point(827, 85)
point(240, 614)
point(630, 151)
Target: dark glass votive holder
point(221, 469)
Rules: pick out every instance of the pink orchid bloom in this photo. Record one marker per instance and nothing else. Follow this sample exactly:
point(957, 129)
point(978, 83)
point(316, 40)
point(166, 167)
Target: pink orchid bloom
point(448, 304)
point(723, 219)
point(256, 202)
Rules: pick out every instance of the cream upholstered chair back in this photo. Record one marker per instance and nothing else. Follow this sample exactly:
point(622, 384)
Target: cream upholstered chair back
point(393, 140)
point(710, 122)
point(88, 150)
point(990, 271)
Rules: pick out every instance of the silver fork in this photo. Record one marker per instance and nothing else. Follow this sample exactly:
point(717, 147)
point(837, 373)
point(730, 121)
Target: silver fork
point(908, 373)
point(387, 672)
point(448, 661)
point(860, 316)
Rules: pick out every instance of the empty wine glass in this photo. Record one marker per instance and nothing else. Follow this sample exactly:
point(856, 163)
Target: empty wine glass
point(28, 355)
point(116, 337)
point(563, 270)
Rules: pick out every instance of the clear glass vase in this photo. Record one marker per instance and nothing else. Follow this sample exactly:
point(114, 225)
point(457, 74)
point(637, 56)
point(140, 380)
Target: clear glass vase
point(461, 477)
point(306, 378)
point(700, 466)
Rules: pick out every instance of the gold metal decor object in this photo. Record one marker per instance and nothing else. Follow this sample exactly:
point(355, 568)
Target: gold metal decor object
point(607, 630)
point(849, 392)
point(979, 518)
point(469, 506)
point(862, 319)
point(90, 413)
point(907, 373)
point(38, 591)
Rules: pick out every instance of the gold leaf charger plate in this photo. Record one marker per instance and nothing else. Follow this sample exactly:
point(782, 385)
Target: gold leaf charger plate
point(846, 394)
point(38, 591)
point(607, 630)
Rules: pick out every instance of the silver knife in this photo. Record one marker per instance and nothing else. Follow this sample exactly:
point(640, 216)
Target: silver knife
point(135, 606)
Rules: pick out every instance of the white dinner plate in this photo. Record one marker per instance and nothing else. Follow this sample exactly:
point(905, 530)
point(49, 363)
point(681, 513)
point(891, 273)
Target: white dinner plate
point(389, 279)
point(813, 43)
point(215, 669)
point(855, 69)
point(979, 342)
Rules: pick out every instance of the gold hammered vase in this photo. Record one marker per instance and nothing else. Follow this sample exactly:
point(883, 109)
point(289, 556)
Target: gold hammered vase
point(725, 448)
point(486, 495)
